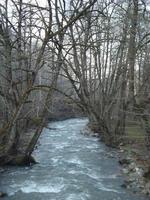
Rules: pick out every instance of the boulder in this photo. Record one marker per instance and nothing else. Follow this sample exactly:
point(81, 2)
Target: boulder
point(124, 161)
point(125, 171)
point(22, 160)
point(2, 170)
point(126, 184)
point(2, 194)
point(132, 167)
point(147, 174)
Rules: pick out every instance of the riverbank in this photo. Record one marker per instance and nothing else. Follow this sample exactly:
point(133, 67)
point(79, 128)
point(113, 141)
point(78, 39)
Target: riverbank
point(2, 194)
point(70, 166)
point(135, 165)
point(136, 169)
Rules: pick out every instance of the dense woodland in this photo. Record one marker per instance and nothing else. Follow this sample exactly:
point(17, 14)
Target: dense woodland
point(95, 55)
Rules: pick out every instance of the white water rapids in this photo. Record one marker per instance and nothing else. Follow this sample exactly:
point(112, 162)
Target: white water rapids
point(71, 167)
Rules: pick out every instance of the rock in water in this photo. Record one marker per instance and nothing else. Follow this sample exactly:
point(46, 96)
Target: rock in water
point(22, 160)
point(147, 174)
point(2, 194)
point(124, 161)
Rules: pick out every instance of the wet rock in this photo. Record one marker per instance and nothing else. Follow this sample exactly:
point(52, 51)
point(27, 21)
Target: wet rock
point(136, 189)
point(141, 183)
point(22, 160)
point(124, 161)
point(139, 171)
point(121, 151)
point(2, 194)
point(110, 155)
point(2, 170)
point(126, 184)
point(86, 131)
point(132, 167)
point(121, 144)
point(125, 170)
point(137, 180)
point(147, 188)
point(147, 174)
point(95, 135)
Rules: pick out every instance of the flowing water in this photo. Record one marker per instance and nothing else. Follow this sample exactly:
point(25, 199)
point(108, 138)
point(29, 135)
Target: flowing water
point(71, 167)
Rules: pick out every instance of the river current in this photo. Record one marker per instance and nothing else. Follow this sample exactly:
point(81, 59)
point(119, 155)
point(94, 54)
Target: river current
point(71, 166)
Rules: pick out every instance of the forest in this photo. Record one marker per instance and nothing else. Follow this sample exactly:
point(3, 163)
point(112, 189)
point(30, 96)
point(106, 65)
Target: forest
point(86, 58)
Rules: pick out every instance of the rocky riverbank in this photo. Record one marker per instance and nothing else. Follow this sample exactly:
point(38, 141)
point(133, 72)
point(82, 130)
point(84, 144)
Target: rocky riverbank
point(134, 166)
point(136, 171)
point(2, 194)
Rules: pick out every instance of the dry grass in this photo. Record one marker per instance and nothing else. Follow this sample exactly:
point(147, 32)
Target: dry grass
point(136, 143)
point(135, 133)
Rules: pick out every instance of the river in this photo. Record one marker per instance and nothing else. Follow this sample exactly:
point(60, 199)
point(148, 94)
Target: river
point(70, 166)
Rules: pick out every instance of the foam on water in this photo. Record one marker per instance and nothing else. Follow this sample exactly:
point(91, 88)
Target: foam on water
point(56, 160)
point(60, 146)
point(71, 167)
point(106, 189)
point(34, 187)
point(75, 160)
point(81, 196)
